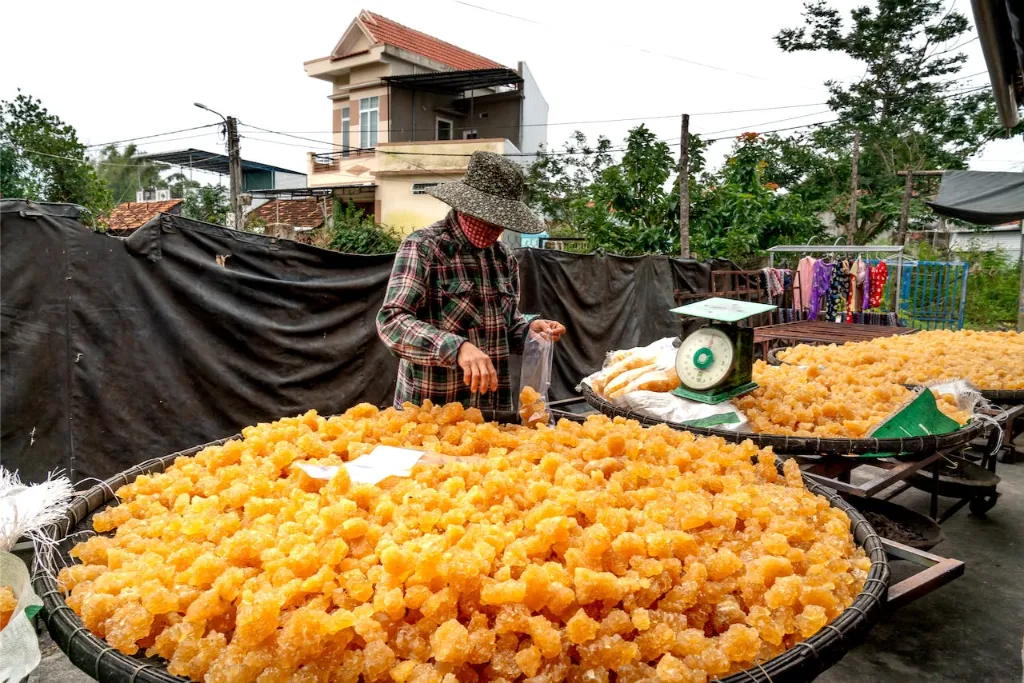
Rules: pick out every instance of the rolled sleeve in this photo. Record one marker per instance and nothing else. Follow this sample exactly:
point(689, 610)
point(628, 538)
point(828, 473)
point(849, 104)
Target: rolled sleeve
point(399, 328)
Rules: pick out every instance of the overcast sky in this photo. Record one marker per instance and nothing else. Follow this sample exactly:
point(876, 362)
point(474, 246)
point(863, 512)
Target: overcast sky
point(118, 70)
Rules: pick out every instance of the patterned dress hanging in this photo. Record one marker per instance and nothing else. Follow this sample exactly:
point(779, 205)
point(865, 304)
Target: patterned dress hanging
point(819, 287)
point(879, 274)
point(838, 292)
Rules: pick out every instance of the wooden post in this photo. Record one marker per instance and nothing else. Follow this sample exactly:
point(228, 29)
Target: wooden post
point(684, 189)
point(853, 189)
point(1020, 294)
point(234, 171)
point(908, 189)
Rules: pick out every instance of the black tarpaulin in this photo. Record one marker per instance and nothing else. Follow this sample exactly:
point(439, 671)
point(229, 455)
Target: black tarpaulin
point(985, 198)
point(116, 351)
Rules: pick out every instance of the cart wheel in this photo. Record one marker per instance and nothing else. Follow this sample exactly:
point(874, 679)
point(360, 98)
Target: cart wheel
point(982, 504)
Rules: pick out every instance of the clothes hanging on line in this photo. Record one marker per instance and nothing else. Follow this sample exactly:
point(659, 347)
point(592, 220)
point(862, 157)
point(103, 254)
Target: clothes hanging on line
point(805, 270)
point(879, 274)
point(865, 296)
point(819, 287)
point(772, 282)
point(880, 319)
point(838, 292)
point(858, 270)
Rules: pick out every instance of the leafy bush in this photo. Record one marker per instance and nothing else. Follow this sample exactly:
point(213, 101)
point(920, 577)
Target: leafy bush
point(992, 289)
point(353, 232)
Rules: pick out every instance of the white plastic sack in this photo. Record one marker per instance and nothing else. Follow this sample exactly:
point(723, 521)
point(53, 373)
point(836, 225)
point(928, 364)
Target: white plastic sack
point(19, 645)
point(966, 395)
point(672, 408)
point(662, 354)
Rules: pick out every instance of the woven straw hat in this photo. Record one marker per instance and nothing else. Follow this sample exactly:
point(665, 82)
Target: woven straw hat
point(493, 191)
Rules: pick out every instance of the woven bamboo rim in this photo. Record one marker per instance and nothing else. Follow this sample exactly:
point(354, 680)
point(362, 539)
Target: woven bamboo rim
point(95, 657)
point(803, 445)
point(1002, 396)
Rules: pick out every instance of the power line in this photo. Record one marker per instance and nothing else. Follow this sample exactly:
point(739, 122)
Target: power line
point(155, 135)
point(494, 11)
point(591, 121)
point(766, 123)
point(639, 49)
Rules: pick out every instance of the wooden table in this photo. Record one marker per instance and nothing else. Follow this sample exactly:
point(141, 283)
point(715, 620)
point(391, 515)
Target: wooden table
point(822, 332)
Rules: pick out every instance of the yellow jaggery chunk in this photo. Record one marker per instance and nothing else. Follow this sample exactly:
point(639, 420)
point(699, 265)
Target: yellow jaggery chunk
point(593, 551)
point(989, 360)
point(531, 408)
point(8, 603)
point(826, 401)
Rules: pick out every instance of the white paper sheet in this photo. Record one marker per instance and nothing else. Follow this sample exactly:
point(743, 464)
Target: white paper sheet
point(374, 467)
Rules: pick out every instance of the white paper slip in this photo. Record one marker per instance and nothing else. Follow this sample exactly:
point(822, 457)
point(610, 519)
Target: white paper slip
point(318, 471)
point(374, 467)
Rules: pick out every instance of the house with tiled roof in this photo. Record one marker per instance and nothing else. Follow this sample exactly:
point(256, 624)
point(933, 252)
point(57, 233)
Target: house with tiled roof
point(127, 217)
point(301, 219)
point(407, 111)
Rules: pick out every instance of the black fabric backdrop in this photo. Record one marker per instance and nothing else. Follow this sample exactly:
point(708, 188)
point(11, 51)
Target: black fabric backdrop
point(115, 351)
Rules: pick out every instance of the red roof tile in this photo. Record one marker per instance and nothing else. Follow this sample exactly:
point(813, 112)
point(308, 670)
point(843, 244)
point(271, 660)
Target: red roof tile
point(133, 215)
point(383, 30)
point(298, 213)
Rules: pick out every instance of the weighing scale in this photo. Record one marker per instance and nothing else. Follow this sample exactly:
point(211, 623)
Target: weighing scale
point(715, 363)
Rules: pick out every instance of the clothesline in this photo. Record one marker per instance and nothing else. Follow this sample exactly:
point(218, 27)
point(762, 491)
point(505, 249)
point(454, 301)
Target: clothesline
point(825, 290)
point(845, 249)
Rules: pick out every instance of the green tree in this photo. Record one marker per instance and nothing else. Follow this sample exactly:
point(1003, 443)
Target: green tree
point(558, 184)
point(180, 184)
point(42, 159)
point(910, 108)
point(126, 174)
point(207, 203)
point(353, 232)
point(739, 211)
point(626, 208)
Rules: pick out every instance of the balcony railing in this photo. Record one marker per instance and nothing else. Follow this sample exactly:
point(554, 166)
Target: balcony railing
point(331, 158)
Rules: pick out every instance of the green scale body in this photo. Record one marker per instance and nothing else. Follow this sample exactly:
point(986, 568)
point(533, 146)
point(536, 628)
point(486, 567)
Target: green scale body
point(715, 363)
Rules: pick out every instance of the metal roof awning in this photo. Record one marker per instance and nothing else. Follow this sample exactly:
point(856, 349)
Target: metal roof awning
point(984, 198)
point(1000, 26)
point(202, 160)
point(322, 191)
point(454, 82)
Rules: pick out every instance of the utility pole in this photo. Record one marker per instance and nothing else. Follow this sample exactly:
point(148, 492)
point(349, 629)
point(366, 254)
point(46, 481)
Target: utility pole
point(1020, 294)
point(234, 164)
point(908, 190)
point(234, 170)
point(853, 193)
point(684, 189)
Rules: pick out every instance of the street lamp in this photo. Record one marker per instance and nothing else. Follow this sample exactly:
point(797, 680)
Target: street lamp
point(234, 164)
point(203, 106)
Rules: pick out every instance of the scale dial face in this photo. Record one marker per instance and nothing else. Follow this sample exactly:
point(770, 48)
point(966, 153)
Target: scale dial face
point(704, 359)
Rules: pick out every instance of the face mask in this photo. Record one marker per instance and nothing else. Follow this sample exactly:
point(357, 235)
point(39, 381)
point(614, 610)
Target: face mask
point(479, 233)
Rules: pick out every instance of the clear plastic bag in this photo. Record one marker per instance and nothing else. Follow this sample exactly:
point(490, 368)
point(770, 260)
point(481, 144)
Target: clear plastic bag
point(535, 379)
point(19, 645)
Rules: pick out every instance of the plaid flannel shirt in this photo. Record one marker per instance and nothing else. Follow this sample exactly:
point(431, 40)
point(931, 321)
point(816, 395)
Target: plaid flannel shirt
point(444, 292)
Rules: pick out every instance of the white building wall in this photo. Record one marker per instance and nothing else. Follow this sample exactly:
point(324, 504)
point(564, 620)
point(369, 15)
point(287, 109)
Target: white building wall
point(289, 181)
point(1007, 241)
point(532, 137)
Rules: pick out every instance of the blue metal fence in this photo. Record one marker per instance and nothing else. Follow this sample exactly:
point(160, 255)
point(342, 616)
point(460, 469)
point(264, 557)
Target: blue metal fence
point(933, 294)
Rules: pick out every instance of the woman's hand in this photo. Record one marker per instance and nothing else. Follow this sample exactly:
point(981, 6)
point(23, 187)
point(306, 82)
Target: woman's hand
point(479, 373)
point(548, 329)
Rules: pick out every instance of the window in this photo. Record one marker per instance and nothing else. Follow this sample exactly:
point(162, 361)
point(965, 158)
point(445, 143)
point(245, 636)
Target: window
point(470, 134)
point(345, 132)
point(369, 112)
point(444, 129)
point(421, 188)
